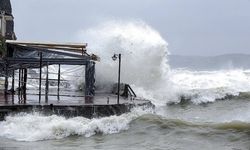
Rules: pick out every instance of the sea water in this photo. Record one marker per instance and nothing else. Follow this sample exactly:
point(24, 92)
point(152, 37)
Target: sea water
point(208, 118)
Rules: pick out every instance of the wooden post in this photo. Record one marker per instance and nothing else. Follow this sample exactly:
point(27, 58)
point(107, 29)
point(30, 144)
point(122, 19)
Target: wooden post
point(19, 84)
point(89, 82)
point(13, 86)
point(6, 83)
point(22, 79)
point(13, 82)
point(6, 80)
point(47, 84)
point(58, 81)
point(40, 77)
point(25, 84)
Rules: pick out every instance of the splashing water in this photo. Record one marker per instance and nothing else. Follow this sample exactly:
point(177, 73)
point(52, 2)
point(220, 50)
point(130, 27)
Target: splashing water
point(36, 127)
point(207, 86)
point(137, 42)
point(144, 65)
point(144, 55)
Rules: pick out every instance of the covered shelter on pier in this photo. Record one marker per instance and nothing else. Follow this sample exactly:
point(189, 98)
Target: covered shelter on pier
point(22, 56)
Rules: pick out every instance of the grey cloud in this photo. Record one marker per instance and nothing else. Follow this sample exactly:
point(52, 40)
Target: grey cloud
point(193, 27)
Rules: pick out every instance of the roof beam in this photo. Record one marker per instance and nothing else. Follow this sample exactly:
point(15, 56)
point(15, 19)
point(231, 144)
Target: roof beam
point(49, 44)
point(49, 61)
point(50, 51)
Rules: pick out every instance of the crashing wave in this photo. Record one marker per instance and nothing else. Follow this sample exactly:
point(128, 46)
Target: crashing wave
point(36, 127)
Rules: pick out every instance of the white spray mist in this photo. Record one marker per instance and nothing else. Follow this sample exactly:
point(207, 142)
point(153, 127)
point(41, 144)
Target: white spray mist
point(144, 54)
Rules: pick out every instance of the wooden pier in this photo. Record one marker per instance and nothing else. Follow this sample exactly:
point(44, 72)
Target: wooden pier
point(23, 56)
point(19, 59)
point(70, 106)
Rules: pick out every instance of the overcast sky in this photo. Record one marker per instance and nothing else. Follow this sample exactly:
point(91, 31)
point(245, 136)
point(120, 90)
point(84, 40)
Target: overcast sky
point(191, 27)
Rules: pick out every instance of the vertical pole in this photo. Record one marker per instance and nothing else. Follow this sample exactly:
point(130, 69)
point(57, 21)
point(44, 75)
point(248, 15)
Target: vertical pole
point(19, 84)
point(87, 81)
point(6, 83)
point(25, 84)
point(40, 77)
point(58, 81)
point(13, 82)
point(6, 80)
point(13, 85)
point(119, 79)
point(22, 79)
point(22, 84)
point(47, 84)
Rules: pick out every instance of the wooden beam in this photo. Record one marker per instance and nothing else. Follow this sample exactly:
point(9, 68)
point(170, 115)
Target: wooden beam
point(58, 52)
point(50, 61)
point(74, 45)
point(70, 49)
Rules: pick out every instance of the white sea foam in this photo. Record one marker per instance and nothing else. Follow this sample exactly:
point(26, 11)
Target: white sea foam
point(143, 52)
point(145, 68)
point(207, 86)
point(35, 127)
point(144, 65)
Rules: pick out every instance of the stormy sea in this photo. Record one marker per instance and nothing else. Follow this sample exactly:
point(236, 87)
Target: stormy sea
point(200, 102)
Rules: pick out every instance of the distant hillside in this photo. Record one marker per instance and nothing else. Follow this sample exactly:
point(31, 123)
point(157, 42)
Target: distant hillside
point(227, 61)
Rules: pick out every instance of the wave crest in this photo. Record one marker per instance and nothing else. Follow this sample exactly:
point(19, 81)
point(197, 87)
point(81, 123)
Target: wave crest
point(163, 122)
point(36, 127)
point(144, 66)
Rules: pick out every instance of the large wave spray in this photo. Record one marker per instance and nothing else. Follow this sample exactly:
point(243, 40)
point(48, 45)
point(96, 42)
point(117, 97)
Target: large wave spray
point(144, 65)
point(143, 51)
point(144, 56)
point(36, 127)
point(208, 86)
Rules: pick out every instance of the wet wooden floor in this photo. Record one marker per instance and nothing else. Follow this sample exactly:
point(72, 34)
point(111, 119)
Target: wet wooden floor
point(69, 104)
point(99, 99)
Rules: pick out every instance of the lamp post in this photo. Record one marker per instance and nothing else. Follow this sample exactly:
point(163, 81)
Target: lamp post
point(115, 56)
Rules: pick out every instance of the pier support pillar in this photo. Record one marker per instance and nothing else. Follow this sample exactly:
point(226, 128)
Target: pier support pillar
point(6, 83)
point(89, 82)
point(13, 82)
point(19, 84)
point(13, 86)
point(47, 84)
point(58, 82)
point(25, 76)
point(40, 75)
